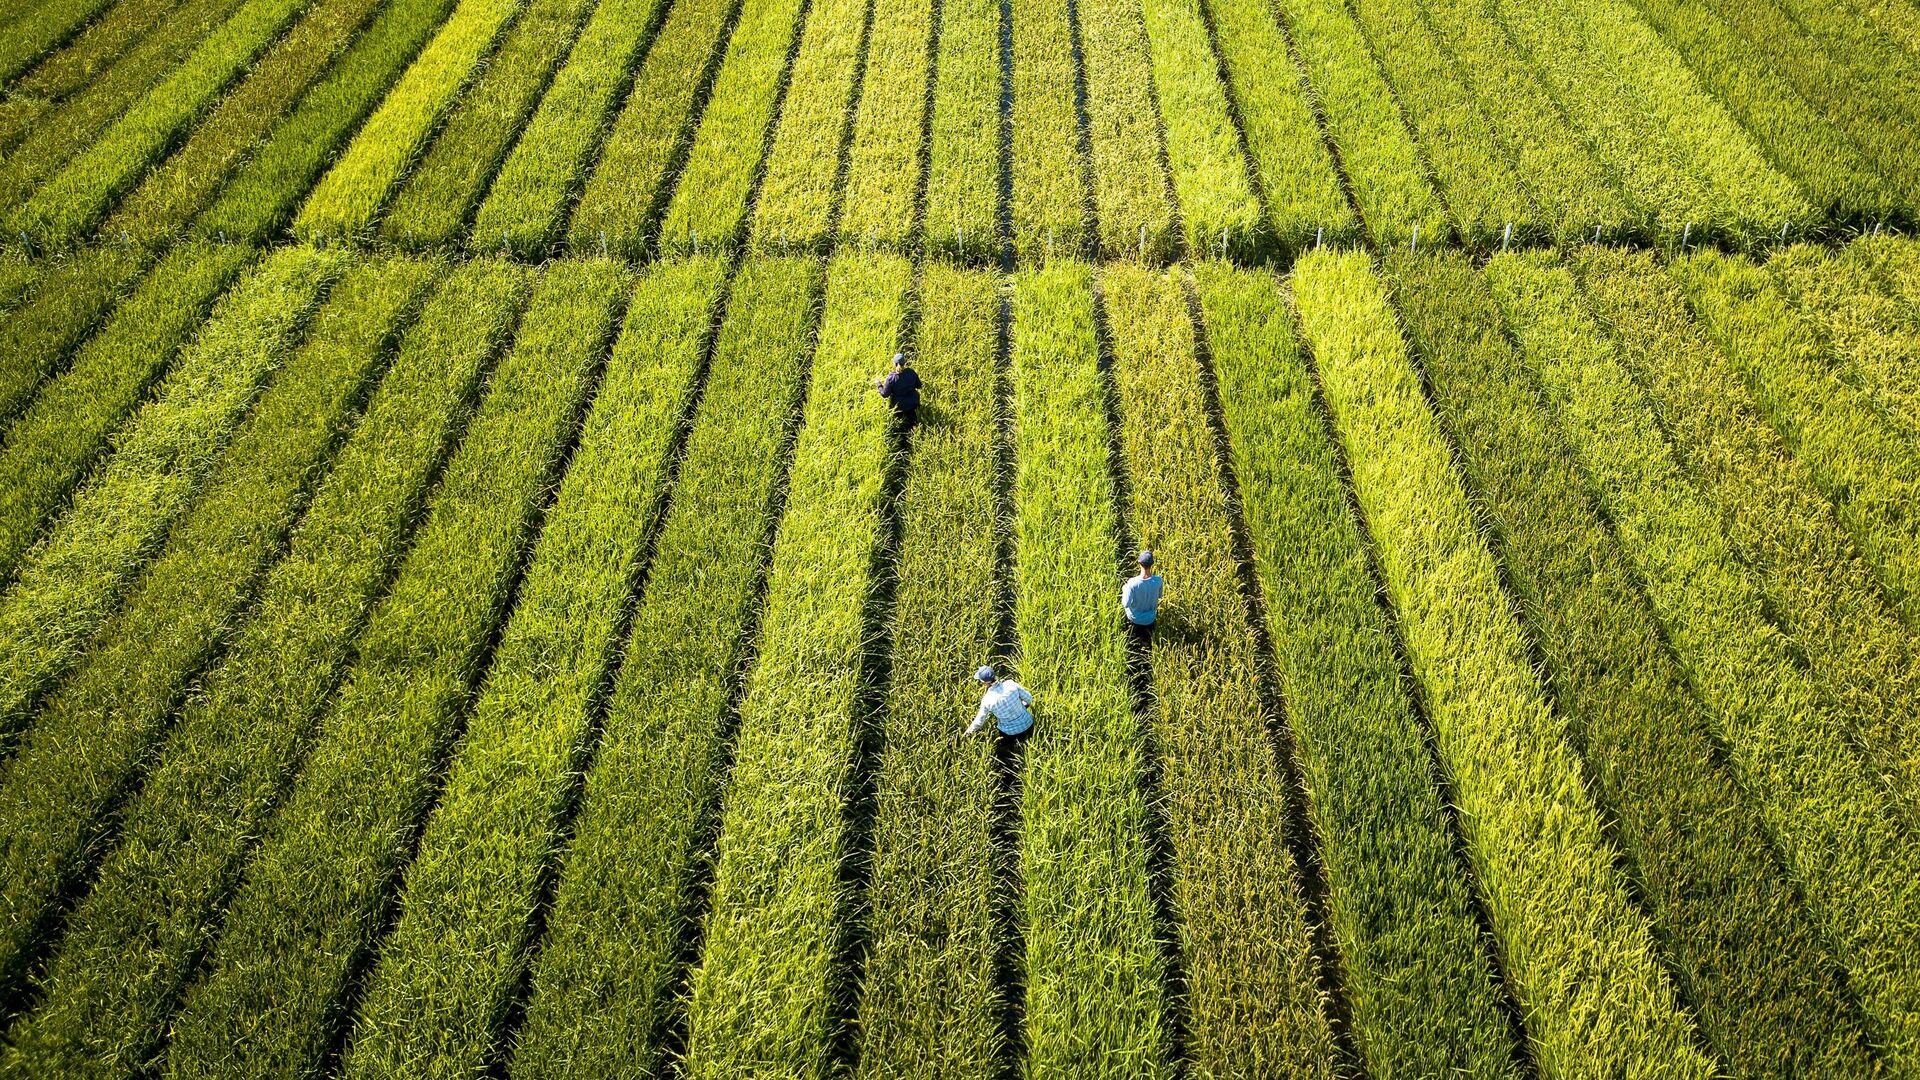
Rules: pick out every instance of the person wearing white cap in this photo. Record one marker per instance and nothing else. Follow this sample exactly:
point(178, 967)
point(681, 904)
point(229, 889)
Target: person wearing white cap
point(1140, 599)
point(901, 389)
point(1006, 703)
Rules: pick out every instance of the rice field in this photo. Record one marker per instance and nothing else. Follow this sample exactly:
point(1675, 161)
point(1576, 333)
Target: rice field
point(466, 612)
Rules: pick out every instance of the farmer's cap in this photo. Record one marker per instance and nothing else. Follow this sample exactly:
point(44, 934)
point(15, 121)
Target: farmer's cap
point(985, 674)
point(899, 359)
point(1146, 558)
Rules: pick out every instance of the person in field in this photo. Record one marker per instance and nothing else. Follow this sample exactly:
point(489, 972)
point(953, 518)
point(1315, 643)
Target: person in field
point(1140, 599)
point(901, 389)
point(1006, 703)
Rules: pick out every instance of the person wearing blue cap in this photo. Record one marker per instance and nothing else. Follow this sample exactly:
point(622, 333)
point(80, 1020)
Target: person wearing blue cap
point(1140, 599)
point(1006, 703)
point(901, 389)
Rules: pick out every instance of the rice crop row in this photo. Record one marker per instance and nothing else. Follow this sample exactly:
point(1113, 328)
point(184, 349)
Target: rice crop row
point(797, 197)
point(186, 181)
point(729, 148)
point(346, 200)
point(929, 1005)
point(1132, 200)
point(1049, 175)
point(70, 204)
point(1878, 64)
point(1579, 956)
point(1820, 590)
point(629, 185)
point(19, 278)
point(1841, 838)
point(119, 29)
point(1747, 952)
point(1252, 988)
point(1839, 180)
point(763, 991)
point(133, 940)
point(89, 744)
point(460, 945)
point(437, 200)
point(44, 142)
point(1095, 975)
point(1483, 190)
point(70, 582)
point(964, 166)
point(312, 902)
point(36, 338)
point(1421, 993)
point(1574, 190)
point(1218, 208)
point(884, 159)
point(49, 450)
point(1872, 347)
point(1304, 198)
point(526, 206)
point(41, 28)
point(1830, 426)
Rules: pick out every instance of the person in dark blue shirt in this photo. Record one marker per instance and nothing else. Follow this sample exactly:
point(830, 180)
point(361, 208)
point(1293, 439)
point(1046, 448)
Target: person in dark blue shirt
point(901, 389)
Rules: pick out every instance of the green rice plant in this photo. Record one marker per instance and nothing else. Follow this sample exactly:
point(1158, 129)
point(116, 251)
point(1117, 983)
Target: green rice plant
point(1863, 465)
point(432, 997)
point(40, 142)
point(1877, 61)
point(928, 1002)
point(346, 200)
point(1381, 160)
point(1132, 200)
point(255, 204)
point(1579, 956)
point(70, 581)
point(1837, 178)
point(73, 201)
point(39, 29)
point(1577, 194)
point(87, 749)
point(35, 338)
point(528, 202)
point(119, 29)
point(1847, 853)
point(797, 200)
point(1895, 261)
point(182, 186)
point(1874, 349)
point(964, 164)
point(1094, 971)
point(436, 202)
point(1049, 176)
point(1252, 1001)
point(630, 185)
point(19, 277)
point(763, 991)
point(1296, 174)
point(312, 901)
point(1483, 190)
point(1746, 949)
point(1422, 994)
point(884, 159)
point(1898, 19)
point(728, 150)
point(1820, 589)
point(1218, 208)
point(56, 441)
point(133, 940)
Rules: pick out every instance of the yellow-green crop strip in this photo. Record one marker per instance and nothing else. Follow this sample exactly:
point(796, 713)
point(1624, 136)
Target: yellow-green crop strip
point(132, 941)
point(1579, 956)
point(1094, 973)
point(889, 128)
point(1420, 991)
point(1252, 1001)
point(527, 204)
point(621, 910)
point(312, 901)
point(1871, 347)
point(36, 337)
point(798, 192)
point(70, 582)
point(1841, 836)
point(1132, 200)
point(1747, 949)
point(70, 70)
point(929, 1005)
point(763, 990)
point(1049, 175)
point(965, 162)
point(1218, 209)
point(40, 29)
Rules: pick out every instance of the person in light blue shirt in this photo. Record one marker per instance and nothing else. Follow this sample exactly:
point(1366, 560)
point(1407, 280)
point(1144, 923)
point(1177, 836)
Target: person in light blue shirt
point(1140, 599)
point(1006, 703)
